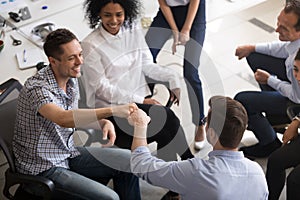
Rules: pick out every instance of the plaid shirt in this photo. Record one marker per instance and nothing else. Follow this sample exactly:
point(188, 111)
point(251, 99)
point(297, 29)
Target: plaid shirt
point(40, 144)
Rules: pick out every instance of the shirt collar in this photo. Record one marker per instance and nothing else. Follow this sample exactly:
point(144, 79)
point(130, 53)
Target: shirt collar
point(53, 86)
point(108, 36)
point(226, 153)
point(293, 46)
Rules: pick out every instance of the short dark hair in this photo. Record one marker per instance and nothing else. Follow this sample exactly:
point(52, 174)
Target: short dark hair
point(54, 40)
point(93, 8)
point(294, 7)
point(229, 120)
point(298, 55)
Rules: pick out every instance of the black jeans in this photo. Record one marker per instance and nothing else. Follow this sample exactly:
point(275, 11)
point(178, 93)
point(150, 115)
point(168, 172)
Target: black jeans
point(164, 128)
point(280, 160)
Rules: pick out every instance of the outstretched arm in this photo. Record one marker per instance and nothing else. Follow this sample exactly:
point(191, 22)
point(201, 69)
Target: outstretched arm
point(139, 119)
point(82, 117)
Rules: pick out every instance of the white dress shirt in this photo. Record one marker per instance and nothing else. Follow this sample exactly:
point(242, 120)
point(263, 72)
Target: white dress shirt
point(288, 51)
point(115, 67)
point(177, 2)
point(226, 175)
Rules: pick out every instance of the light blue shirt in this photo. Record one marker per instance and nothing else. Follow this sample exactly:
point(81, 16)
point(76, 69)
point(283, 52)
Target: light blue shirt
point(288, 51)
point(226, 175)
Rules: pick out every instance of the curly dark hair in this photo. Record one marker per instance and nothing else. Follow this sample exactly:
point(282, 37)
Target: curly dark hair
point(93, 8)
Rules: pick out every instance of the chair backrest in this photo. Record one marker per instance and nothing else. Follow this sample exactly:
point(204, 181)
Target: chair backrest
point(82, 101)
point(10, 90)
point(293, 110)
point(7, 118)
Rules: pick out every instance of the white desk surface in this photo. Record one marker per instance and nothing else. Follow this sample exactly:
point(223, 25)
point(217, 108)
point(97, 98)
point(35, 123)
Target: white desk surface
point(36, 11)
point(65, 14)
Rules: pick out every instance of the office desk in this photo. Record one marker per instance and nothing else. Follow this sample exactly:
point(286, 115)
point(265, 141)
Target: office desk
point(37, 11)
point(71, 18)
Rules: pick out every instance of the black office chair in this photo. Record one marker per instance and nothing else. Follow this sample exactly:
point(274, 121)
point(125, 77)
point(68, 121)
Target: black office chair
point(9, 90)
point(280, 123)
point(293, 110)
point(152, 83)
point(93, 134)
point(12, 177)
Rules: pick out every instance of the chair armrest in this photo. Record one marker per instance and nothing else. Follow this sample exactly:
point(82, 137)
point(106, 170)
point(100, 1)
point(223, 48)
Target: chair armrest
point(18, 178)
point(293, 110)
point(170, 101)
point(151, 83)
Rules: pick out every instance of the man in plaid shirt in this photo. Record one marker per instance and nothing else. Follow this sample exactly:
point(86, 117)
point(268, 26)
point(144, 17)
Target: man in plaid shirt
point(47, 114)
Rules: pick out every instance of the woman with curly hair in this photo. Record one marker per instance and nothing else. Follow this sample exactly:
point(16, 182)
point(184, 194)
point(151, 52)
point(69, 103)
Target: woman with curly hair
point(117, 60)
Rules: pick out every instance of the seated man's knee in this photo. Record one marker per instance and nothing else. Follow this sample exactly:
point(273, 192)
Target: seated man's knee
point(252, 59)
point(241, 97)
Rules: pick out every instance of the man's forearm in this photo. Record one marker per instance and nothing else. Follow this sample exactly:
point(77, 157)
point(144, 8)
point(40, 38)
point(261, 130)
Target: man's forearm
point(139, 138)
point(85, 117)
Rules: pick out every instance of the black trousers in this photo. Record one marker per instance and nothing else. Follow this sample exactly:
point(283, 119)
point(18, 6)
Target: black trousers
point(284, 158)
point(164, 128)
point(275, 66)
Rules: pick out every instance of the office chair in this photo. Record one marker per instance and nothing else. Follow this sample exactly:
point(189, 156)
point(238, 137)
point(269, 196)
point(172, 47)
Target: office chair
point(9, 90)
point(279, 123)
point(151, 84)
point(12, 177)
point(93, 134)
point(293, 110)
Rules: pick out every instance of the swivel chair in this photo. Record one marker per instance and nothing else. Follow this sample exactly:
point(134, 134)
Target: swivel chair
point(93, 134)
point(12, 177)
point(279, 123)
point(293, 110)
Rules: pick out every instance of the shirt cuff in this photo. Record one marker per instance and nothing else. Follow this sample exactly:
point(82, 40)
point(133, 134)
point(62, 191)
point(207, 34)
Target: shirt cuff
point(138, 99)
point(141, 149)
point(273, 81)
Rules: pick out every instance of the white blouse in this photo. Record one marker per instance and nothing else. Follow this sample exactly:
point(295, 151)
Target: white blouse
point(177, 2)
point(115, 66)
